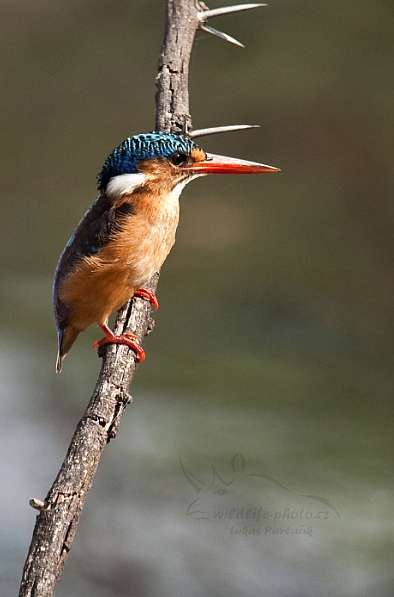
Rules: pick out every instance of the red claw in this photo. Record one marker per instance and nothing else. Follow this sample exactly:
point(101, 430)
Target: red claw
point(127, 339)
point(147, 294)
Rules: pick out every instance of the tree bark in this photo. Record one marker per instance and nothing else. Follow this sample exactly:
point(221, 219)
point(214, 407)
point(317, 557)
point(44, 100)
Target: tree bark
point(172, 98)
point(59, 514)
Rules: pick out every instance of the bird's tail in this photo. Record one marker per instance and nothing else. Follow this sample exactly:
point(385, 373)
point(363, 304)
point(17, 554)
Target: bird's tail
point(66, 339)
point(59, 362)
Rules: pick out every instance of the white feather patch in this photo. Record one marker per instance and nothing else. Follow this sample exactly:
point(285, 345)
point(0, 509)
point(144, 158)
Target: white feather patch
point(124, 184)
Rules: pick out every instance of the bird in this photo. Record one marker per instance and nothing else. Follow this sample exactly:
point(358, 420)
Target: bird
point(128, 232)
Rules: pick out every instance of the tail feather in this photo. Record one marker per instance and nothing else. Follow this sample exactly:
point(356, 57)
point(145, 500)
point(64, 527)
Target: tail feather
point(59, 362)
point(66, 339)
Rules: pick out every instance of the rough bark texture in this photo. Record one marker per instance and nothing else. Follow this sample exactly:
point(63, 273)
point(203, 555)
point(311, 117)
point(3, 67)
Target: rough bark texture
point(172, 99)
point(57, 522)
point(59, 515)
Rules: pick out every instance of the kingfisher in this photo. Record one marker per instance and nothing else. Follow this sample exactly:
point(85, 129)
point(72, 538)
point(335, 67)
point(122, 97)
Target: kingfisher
point(127, 233)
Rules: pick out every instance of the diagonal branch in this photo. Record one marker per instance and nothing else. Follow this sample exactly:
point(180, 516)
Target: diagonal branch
point(59, 513)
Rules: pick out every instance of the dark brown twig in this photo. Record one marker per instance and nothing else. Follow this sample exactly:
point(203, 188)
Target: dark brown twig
point(59, 514)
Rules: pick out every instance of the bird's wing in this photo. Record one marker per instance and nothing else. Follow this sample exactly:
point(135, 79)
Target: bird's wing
point(93, 232)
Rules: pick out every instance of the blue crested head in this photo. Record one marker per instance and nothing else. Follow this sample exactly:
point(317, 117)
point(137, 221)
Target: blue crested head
point(125, 157)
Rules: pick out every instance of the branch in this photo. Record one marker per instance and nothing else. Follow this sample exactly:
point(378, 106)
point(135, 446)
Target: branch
point(172, 98)
point(59, 513)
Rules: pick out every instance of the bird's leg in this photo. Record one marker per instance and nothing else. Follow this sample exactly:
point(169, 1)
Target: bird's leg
point(128, 339)
point(148, 294)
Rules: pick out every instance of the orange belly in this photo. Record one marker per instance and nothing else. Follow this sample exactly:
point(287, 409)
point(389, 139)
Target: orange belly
point(102, 283)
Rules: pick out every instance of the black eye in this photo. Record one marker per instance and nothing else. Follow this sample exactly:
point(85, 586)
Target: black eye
point(179, 159)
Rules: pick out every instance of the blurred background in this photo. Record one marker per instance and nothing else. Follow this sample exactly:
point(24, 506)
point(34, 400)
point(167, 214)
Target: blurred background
point(269, 376)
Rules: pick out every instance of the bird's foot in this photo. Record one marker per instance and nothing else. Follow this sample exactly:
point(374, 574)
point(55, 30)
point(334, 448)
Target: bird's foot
point(127, 339)
point(147, 294)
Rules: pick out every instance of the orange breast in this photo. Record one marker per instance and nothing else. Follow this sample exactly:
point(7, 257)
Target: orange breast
point(102, 283)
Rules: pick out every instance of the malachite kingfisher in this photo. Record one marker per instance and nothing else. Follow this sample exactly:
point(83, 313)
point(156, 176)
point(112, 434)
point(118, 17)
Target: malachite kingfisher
point(126, 235)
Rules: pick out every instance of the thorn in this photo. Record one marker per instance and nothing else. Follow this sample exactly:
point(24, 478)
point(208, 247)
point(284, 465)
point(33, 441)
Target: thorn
point(204, 14)
point(221, 129)
point(222, 35)
point(37, 504)
point(207, 14)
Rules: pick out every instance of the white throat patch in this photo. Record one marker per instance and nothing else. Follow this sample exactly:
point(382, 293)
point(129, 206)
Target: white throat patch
point(124, 184)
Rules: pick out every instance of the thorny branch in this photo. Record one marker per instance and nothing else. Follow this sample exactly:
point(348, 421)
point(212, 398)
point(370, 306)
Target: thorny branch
point(59, 513)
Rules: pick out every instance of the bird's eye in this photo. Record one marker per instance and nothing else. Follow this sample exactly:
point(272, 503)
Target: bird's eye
point(179, 159)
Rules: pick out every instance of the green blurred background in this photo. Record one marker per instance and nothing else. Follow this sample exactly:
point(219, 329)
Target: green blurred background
point(275, 336)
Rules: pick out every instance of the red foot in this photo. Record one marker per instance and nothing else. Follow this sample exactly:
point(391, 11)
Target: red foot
point(128, 339)
point(148, 294)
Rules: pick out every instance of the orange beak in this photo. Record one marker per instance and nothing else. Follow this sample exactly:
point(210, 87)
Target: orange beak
point(220, 164)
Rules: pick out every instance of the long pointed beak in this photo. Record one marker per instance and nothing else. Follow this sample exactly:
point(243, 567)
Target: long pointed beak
point(220, 164)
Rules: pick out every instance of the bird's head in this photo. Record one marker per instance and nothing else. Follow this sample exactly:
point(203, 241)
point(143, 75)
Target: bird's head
point(168, 160)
